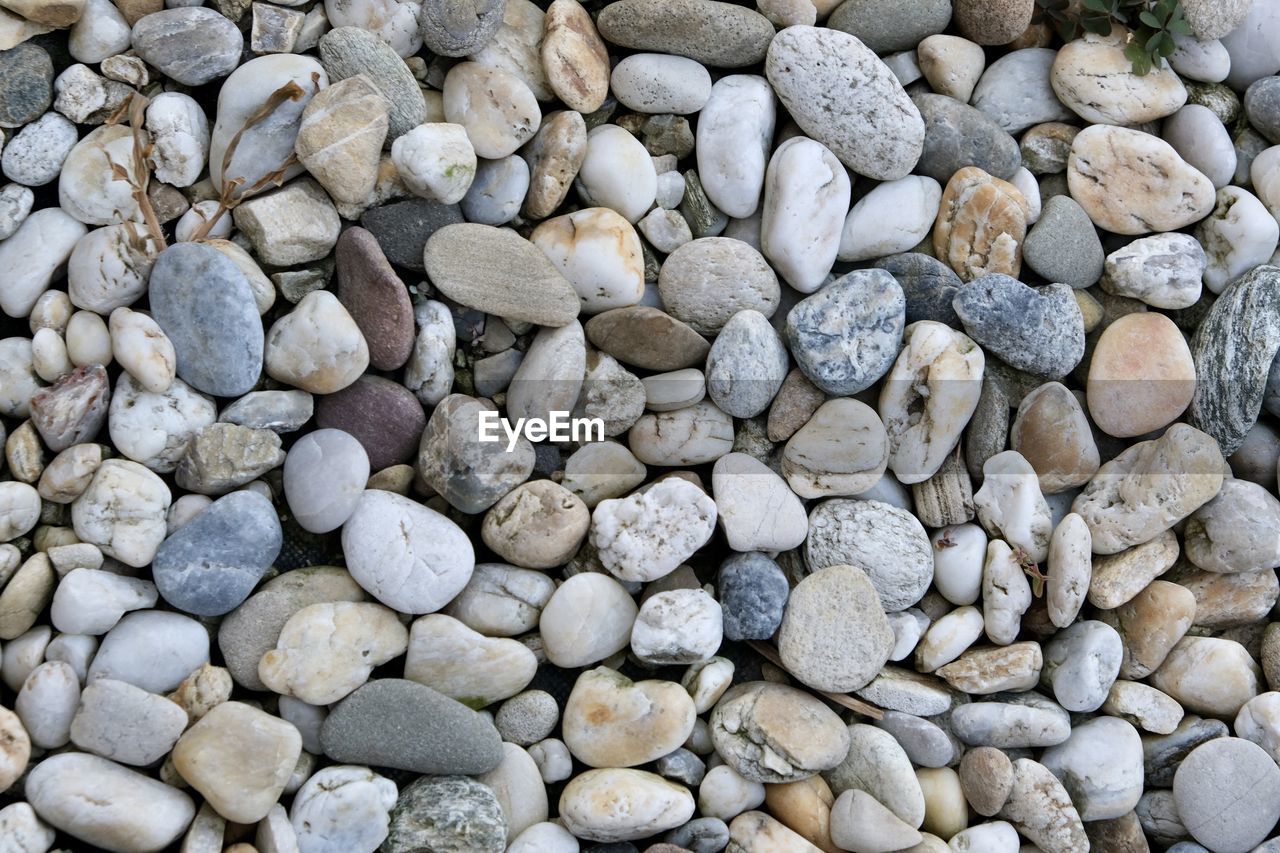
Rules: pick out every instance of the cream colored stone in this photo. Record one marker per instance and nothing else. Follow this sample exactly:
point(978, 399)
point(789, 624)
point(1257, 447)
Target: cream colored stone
point(611, 721)
point(574, 57)
point(461, 663)
point(340, 138)
point(1092, 76)
point(623, 805)
point(1141, 375)
point(1054, 436)
point(327, 650)
point(1011, 505)
point(841, 450)
point(317, 347)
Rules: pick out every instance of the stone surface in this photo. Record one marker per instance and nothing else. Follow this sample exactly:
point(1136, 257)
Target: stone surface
point(713, 33)
point(1141, 375)
point(981, 223)
point(349, 51)
point(775, 734)
point(830, 652)
point(446, 813)
point(846, 337)
point(1221, 790)
point(1039, 330)
point(864, 116)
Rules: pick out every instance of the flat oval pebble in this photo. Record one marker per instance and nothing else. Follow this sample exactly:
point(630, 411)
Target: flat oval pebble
point(707, 31)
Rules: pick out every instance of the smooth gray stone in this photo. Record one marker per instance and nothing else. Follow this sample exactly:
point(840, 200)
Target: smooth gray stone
point(402, 228)
point(1228, 794)
point(1063, 245)
point(1036, 329)
point(204, 304)
point(957, 135)
point(26, 84)
point(1233, 350)
point(392, 722)
point(1015, 90)
point(847, 335)
point(886, 26)
point(210, 565)
point(721, 35)
point(449, 814)
point(1262, 105)
point(348, 51)
point(1162, 754)
point(193, 45)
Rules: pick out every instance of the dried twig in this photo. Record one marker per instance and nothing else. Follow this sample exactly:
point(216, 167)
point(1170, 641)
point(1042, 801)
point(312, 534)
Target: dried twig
point(856, 705)
point(139, 173)
point(232, 195)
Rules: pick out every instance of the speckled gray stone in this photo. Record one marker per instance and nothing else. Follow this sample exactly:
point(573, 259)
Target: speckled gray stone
point(746, 366)
point(889, 25)
point(753, 594)
point(203, 302)
point(26, 84)
point(928, 284)
point(348, 51)
point(846, 336)
point(722, 35)
point(957, 135)
point(193, 45)
point(209, 566)
point(459, 27)
point(392, 722)
point(1063, 245)
point(1036, 329)
point(1233, 350)
point(447, 814)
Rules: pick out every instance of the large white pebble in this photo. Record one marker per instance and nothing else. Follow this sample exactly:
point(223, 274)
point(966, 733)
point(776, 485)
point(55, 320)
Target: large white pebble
point(617, 173)
point(324, 475)
point(409, 557)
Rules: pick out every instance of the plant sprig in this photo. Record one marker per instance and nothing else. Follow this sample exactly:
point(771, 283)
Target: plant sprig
point(1152, 25)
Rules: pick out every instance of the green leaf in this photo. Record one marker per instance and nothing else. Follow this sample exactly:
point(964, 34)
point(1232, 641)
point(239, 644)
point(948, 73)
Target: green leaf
point(1156, 43)
point(1179, 26)
point(1097, 6)
point(1149, 19)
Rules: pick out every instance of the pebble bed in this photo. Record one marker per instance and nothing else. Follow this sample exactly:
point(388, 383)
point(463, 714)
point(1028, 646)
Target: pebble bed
point(934, 366)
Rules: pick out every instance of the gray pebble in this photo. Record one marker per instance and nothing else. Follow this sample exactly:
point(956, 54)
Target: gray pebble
point(957, 135)
point(846, 336)
point(889, 25)
point(1039, 330)
point(1063, 245)
point(391, 722)
point(1163, 754)
point(26, 84)
point(1262, 105)
point(701, 835)
point(192, 45)
point(746, 365)
point(928, 284)
point(753, 594)
point(1233, 350)
point(1228, 794)
point(924, 742)
point(211, 564)
point(1015, 90)
point(33, 157)
point(683, 766)
point(447, 814)
point(459, 27)
point(402, 228)
point(203, 302)
point(527, 717)
point(722, 35)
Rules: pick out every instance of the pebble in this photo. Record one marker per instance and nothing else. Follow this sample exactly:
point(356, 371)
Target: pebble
point(34, 156)
point(599, 252)
point(1237, 236)
point(47, 702)
point(1039, 330)
point(1132, 183)
point(648, 535)
point(647, 805)
point(19, 823)
point(439, 557)
point(587, 619)
point(1016, 90)
point(384, 416)
point(713, 33)
point(537, 525)
point(876, 131)
point(1042, 810)
point(92, 601)
point(124, 723)
point(192, 45)
point(894, 217)
point(677, 626)
point(1222, 790)
point(43, 243)
point(221, 353)
point(1052, 433)
point(1241, 545)
point(131, 532)
point(1141, 375)
point(840, 655)
point(773, 733)
point(402, 228)
point(574, 57)
point(846, 336)
point(1203, 142)
point(405, 725)
point(617, 172)
point(1094, 78)
point(942, 356)
point(611, 721)
point(1228, 407)
point(1163, 270)
point(470, 263)
point(27, 90)
point(1063, 246)
point(660, 84)
point(342, 808)
point(958, 135)
point(131, 811)
point(952, 65)
point(981, 224)
point(739, 107)
point(497, 191)
point(263, 148)
point(450, 657)
point(349, 51)
point(447, 813)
